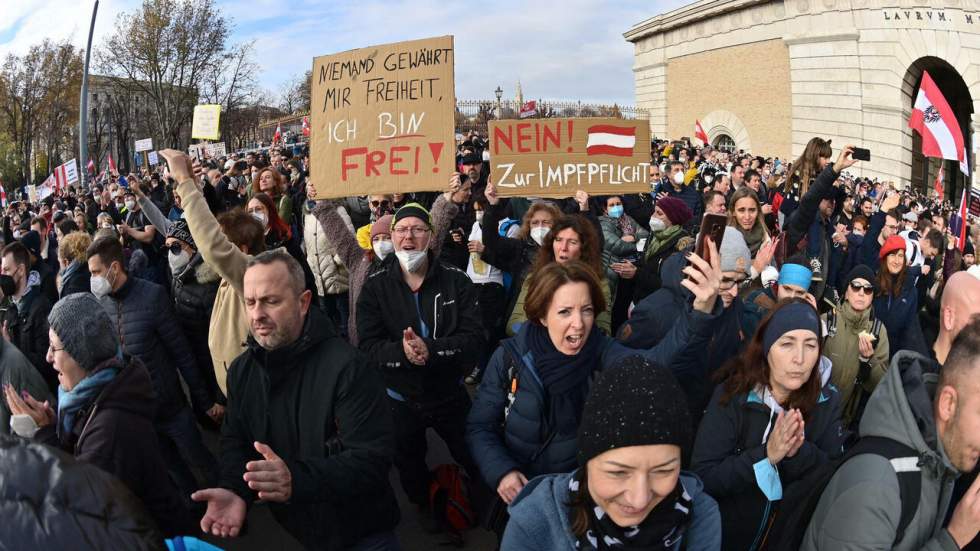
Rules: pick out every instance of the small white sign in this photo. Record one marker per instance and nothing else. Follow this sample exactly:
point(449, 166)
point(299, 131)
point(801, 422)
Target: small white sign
point(154, 160)
point(144, 145)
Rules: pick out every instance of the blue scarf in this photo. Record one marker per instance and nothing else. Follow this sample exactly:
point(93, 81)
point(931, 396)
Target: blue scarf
point(565, 378)
point(70, 402)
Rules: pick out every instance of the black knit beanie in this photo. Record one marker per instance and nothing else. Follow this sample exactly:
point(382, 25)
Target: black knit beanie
point(633, 403)
point(412, 210)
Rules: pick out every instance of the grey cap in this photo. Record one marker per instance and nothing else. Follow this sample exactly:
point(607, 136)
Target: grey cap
point(735, 254)
point(85, 329)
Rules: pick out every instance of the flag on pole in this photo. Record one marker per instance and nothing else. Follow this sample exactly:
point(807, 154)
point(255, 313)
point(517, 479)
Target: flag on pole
point(961, 242)
point(3, 196)
point(112, 166)
point(939, 183)
point(699, 132)
point(934, 120)
point(306, 126)
point(278, 135)
point(90, 167)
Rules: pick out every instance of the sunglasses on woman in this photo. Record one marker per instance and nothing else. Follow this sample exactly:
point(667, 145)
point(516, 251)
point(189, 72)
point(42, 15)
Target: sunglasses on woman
point(866, 289)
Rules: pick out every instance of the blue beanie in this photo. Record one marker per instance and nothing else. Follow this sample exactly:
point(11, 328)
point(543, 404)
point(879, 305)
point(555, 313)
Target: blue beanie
point(795, 274)
point(790, 317)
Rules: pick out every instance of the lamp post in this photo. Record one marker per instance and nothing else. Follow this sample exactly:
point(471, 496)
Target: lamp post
point(83, 107)
point(499, 93)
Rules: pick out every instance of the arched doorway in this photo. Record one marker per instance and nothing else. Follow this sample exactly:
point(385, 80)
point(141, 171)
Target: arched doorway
point(956, 92)
point(724, 142)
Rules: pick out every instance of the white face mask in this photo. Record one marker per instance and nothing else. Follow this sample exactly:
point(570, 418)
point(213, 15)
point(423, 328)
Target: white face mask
point(100, 286)
point(657, 224)
point(260, 216)
point(382, 248)
point(178, 261)
point(130, 205)
point(679, 178)
point(708, 178)
point(411, 260)
point(538, 234)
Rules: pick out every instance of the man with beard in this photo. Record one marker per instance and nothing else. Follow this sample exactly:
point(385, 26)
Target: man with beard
point(472, 166)
point(418, 321)
point(307, 429)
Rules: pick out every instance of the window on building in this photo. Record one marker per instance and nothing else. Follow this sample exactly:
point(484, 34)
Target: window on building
point(725, 143)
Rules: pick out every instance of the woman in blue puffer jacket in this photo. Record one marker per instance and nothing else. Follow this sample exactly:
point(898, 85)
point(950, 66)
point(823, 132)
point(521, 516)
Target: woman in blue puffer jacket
point(525, 414)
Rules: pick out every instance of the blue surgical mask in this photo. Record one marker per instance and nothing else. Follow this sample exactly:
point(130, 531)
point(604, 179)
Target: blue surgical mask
point(616, 211)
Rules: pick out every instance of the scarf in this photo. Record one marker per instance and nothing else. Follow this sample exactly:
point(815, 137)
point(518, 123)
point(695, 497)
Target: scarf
point(661, 529)
point(71, 402)
point(565, 378)
point(753, 237)
point(661, 239)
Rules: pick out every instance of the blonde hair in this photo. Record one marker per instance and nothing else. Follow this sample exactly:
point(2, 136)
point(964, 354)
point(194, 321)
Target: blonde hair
point(73, 246)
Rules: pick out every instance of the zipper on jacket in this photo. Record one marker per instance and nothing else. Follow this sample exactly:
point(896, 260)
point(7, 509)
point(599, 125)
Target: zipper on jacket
point(765, 521)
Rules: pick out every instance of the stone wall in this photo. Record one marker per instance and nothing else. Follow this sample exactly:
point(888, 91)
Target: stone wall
point(755, 109)
point(851, 65)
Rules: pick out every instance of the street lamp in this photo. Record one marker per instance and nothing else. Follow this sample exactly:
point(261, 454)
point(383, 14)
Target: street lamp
point(499, 93)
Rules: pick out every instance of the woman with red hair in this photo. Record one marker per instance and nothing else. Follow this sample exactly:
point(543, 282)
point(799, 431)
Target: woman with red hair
point(278, 234)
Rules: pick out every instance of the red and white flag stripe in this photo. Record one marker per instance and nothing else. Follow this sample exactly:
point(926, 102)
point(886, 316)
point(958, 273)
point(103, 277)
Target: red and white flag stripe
point(699, 132)
point(933, 118)
point(607, 139)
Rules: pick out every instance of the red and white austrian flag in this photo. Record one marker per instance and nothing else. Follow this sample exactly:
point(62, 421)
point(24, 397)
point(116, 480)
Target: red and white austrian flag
point(607, 139)
point(699, 132)
point(934, 120)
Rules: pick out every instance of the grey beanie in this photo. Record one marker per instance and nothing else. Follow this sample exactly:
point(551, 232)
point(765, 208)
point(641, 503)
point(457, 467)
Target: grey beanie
point(85, 329)
point(735, 254)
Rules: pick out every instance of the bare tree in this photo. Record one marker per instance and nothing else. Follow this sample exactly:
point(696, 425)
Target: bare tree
point(294, 95)
point(36, 104)
point(165, 49)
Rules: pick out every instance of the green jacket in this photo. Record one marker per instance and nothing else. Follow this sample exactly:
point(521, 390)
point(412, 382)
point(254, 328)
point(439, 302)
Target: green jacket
point(17, 371)
point(842, 349)
point(614, 249)
point(861, 505)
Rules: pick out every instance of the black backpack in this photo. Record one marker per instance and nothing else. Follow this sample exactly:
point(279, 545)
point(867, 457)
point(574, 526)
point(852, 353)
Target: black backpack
point(795, 510)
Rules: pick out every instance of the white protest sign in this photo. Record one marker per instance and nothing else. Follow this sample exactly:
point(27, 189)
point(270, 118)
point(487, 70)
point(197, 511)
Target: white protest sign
point(144, 145)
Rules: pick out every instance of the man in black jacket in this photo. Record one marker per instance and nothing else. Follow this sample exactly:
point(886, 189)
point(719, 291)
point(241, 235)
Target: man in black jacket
point(307, 429)
point(26, 325)
point(143, 315)
point(419, 320)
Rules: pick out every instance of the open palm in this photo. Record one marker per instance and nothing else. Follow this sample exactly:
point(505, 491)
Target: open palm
point(225, 514)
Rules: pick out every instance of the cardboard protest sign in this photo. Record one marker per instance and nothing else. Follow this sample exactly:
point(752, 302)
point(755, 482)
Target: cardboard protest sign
point(144, 145)
point(383, 119)
point(205, 123)
point(557, 157)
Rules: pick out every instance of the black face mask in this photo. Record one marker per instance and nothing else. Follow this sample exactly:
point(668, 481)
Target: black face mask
point(7, 285)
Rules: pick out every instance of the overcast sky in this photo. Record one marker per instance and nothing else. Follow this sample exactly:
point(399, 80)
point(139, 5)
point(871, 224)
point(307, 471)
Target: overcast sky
point(570, 50)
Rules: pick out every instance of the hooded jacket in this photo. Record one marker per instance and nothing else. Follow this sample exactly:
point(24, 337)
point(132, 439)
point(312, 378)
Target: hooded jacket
point(842, 349)
point(148, 329)
point(115, 432)
point(320, 407)
point(444, 313)
point(860, 506)
point(501, 444)
point(51, 501)
point(731, 445)
point(539, 517)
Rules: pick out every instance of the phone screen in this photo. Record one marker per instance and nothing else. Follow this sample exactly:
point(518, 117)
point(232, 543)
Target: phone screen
point(713, 226)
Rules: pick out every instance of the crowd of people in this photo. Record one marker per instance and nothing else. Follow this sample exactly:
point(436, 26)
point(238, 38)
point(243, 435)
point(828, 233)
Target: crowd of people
point(605, 372)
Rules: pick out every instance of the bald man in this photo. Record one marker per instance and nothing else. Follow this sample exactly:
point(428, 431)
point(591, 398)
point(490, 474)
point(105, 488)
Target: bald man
point(959, 303)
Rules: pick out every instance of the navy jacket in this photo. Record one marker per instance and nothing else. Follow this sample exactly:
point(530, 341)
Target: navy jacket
point(900, 315)
point(148, 329)
point(500, 445)
point(730, 443)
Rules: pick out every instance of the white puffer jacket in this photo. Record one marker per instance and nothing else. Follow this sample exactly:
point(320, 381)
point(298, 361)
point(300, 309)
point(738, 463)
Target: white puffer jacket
point(329, 273)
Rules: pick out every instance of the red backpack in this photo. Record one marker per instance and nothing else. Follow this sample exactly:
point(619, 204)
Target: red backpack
point(449, 499)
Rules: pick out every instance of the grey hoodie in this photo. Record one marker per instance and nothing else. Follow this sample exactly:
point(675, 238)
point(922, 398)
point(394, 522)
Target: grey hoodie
point(860, 507)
